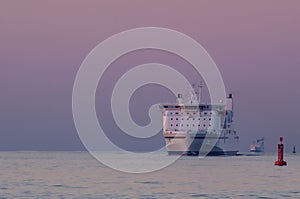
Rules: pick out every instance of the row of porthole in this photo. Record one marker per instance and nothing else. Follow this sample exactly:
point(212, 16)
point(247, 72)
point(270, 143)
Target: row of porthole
point(193, 119)
point(204, 125)
point(205, 113)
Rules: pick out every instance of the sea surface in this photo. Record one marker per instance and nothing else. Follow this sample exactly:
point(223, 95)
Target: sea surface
point(79, 175)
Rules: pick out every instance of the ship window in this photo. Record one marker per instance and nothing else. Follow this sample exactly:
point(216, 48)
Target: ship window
point(171, 118)
point(204, 118)
point(171, 113)
point(199, 118)
point(187, 125)
point(176, 113)
point(204, 125)
point(187, 119)
point(209, 119)
point(198, 124)
point(171, 124)
point(176, 124)
point(193, 118)
point(176, 118)
point(205, 113)
point(193, 124)
point(181, 118)
point(181, 124)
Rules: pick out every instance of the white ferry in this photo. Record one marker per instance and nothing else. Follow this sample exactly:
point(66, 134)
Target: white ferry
point(185, 126)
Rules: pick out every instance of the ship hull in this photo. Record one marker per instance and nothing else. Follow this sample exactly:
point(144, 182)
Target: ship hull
point(257, 150)
point(211, 153)
point(191, 146)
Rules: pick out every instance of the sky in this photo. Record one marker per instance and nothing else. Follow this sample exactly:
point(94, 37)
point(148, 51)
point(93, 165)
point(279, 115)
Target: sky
point(255, 44)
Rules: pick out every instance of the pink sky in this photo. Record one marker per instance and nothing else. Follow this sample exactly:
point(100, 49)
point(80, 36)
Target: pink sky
point(256, 45)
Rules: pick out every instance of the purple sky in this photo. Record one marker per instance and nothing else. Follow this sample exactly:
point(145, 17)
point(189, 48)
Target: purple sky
point(256, 45)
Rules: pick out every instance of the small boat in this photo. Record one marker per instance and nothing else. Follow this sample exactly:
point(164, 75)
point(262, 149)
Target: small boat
point(258, 146)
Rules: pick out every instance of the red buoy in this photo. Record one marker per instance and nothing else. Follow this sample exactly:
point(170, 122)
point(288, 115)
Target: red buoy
point(280, 161)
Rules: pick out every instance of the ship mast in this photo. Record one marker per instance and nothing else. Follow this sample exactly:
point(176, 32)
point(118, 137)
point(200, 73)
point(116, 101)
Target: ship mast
point(200, 86)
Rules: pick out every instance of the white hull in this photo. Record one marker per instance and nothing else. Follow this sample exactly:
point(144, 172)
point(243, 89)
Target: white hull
point(185, 144)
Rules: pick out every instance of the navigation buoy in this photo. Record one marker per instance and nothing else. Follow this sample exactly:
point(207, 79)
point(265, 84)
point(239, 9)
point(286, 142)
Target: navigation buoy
point(280, 161)
point(294, 150)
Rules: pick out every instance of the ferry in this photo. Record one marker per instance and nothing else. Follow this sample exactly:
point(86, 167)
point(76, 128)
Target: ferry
point(187, 125)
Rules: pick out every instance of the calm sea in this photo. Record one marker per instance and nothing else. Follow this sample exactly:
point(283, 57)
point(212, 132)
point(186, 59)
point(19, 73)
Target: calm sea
point(78, 175)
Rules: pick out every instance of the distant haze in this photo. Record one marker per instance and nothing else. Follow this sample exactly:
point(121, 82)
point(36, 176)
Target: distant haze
point(255, 44)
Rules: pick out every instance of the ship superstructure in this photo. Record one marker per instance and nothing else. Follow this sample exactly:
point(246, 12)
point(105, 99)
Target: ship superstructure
point(186, 125)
